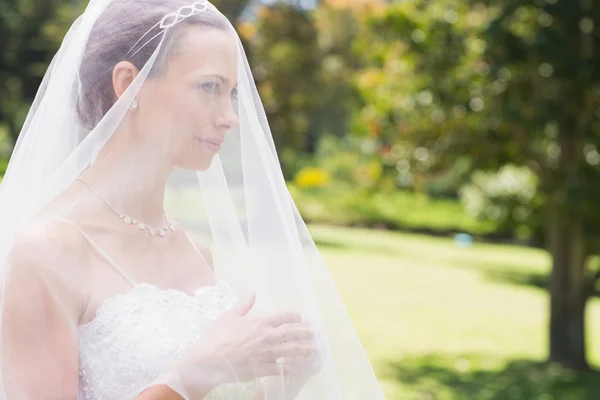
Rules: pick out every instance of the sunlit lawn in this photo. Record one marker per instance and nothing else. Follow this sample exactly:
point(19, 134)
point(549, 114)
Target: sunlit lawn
point(441, 322)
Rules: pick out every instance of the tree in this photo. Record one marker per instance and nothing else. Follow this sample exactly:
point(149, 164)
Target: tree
point(30, 34)
point(510, 82)
point(302, 62)
point(232, 9)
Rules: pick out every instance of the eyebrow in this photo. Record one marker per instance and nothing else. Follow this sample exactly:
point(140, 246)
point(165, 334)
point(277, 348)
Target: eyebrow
point(221, 77)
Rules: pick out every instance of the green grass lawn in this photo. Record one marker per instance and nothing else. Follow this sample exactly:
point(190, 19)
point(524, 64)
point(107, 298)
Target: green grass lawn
point(441, 322)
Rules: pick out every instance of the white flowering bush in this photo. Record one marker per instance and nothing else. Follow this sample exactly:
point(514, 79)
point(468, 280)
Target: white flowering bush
point(507, 196)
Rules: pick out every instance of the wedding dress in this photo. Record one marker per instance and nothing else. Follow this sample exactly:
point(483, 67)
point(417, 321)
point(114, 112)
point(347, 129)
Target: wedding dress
point(135, 336)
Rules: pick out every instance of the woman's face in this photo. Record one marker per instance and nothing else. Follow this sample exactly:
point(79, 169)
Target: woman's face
point(188, 108)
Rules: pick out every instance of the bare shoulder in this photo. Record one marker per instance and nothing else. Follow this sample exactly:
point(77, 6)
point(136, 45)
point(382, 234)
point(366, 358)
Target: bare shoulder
point(47, 240)
point(48, 255)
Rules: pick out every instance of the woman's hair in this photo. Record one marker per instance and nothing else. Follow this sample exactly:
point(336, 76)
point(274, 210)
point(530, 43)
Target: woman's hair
point(112, 40)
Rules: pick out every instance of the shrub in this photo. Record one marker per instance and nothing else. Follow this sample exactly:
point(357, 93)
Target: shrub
point(507, 197)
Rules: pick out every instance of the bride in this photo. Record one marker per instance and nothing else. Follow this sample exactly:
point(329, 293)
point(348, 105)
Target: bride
point(150, 248)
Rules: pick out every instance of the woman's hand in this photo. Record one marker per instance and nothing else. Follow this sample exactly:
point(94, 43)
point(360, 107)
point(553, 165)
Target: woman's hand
point(239, 348)
point(245, 348)
point(298, 373)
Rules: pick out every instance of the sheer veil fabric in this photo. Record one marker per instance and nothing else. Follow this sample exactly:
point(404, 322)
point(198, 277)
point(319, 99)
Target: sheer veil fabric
point(146, 164)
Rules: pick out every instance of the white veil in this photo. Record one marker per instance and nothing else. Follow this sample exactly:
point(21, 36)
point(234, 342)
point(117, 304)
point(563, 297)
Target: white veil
point(236, 203)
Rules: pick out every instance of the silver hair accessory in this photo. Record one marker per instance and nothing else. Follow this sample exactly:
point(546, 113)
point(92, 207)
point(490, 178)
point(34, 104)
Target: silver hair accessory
point(171, 20)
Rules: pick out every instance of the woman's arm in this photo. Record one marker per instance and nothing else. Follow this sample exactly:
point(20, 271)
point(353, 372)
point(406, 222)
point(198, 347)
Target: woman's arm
point(41, 304)
point(170, 386)
point(159, 392)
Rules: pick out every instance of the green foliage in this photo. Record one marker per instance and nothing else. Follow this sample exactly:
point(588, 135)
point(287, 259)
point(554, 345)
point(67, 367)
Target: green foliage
point(232, 9)
point(447, 183)
point(507, 197)
point(489, 82)
point(3, 166)
point(343, 204)
point(350, 160)
point(301, 61)
point(284, 55)
point(494, 82)
point(30, 34)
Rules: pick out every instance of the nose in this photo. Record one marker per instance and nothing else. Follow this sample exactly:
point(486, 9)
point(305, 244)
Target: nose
point(229, 120)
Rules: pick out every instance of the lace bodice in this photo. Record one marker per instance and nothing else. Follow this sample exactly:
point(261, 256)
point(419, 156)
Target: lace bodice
point(136, 336)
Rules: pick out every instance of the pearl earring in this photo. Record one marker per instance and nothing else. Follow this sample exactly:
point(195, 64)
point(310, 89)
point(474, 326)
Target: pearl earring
point(134, 104)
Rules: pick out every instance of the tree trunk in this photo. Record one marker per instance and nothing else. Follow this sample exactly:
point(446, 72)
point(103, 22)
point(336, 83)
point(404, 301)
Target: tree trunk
point(568, 294)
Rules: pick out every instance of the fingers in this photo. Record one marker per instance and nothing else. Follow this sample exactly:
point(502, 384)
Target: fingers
point(281, 318)
point(290, 333)
point(288, 367)
point(288, 350)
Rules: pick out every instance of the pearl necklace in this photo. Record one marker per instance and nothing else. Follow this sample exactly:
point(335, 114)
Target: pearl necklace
point(127, 220)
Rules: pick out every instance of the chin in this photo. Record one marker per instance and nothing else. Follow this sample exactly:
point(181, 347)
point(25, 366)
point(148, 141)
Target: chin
point(197, 165)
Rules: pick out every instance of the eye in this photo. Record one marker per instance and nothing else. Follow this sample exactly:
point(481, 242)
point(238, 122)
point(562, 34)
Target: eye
point(210, 87)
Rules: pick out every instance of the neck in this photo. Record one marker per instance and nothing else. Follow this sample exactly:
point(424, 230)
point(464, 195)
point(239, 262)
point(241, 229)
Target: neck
point(133, 182)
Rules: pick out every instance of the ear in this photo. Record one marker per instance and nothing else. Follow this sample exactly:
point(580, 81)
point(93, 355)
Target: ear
point(123, 74)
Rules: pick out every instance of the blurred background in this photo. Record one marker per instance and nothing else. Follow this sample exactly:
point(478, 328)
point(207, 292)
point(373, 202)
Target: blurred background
point(446, 156)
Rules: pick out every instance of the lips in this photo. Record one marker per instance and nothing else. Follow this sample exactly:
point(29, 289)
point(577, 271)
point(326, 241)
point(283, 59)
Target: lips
point(213, 145)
